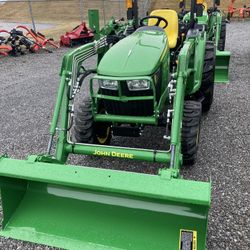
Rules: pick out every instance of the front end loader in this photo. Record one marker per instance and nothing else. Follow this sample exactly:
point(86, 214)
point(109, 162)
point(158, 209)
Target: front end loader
point(143, 79)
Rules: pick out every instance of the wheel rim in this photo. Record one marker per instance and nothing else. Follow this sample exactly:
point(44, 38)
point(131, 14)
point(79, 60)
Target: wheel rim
point(102, 139)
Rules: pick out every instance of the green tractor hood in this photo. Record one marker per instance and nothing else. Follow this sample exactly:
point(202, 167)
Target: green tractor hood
point(139, 54)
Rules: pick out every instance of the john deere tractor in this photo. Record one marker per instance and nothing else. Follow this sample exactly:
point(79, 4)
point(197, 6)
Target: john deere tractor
point(149, 78)
point(212, 21)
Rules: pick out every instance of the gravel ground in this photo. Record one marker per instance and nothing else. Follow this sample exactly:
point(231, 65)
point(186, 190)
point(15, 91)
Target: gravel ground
point(28, 91)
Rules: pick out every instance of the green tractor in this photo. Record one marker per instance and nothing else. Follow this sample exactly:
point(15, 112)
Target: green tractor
point(212, 21)
point(149, 78)
point(211, 17)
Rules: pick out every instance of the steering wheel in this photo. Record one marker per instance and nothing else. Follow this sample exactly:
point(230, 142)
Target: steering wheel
point(159, 19)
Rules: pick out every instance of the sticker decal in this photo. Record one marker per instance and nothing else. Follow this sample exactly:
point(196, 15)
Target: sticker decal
point(188, 240)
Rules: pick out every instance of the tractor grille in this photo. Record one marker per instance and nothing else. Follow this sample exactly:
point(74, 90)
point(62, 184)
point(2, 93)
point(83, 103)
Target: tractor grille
point(131, 108)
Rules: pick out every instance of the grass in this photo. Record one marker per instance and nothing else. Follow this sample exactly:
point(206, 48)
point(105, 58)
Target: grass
point(67, 14)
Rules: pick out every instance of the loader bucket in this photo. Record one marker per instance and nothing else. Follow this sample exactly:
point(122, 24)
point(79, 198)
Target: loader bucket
point(222, 66)
point(74, 207)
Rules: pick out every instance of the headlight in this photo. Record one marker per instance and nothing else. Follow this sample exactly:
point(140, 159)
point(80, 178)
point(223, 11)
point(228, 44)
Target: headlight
point(135, 85)
point(108, 84)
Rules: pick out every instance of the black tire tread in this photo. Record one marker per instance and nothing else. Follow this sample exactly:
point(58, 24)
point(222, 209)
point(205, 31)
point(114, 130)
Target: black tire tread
point(207, 85)
point(84, 124)
point(85, 129)
point(222, 40)
point(190, 130)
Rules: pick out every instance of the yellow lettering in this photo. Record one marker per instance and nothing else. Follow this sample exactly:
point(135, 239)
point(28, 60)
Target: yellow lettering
point(113, 154)
point(104, 153)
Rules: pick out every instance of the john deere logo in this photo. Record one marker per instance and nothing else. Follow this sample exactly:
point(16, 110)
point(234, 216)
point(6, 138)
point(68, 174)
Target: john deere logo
point(113, 154)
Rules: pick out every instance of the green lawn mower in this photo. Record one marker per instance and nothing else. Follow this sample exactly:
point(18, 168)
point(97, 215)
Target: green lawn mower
point(149, 78)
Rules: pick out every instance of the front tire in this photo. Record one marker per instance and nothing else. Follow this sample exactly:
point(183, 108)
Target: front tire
point(190, 131)
point(86, 130)
point(207, 84)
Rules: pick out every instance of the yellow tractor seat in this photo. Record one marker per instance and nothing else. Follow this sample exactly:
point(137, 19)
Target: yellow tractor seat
point(172, 28)
point(205, 5)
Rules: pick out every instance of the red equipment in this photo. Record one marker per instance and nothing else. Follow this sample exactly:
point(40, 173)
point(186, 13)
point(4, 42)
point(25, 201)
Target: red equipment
point(5, 31)
point(231, 9)
point(242, 11)
point(40, 41)
point(4, 49)
point(81, 34)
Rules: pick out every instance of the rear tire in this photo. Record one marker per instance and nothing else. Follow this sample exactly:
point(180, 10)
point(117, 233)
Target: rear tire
point(222, 41)
point(88, 131)
point(207, 84)
point(190, 131)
